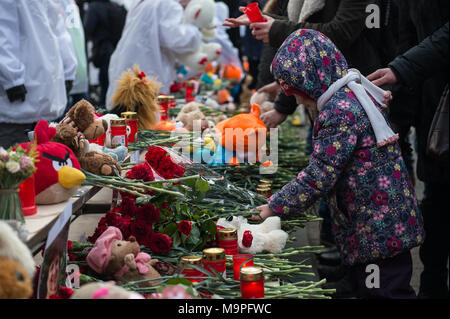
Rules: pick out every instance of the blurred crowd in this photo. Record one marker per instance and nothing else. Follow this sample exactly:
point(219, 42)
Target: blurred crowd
point(54, 53)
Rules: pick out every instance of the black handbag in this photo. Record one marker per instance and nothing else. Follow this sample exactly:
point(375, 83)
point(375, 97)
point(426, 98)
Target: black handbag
point(437, 144)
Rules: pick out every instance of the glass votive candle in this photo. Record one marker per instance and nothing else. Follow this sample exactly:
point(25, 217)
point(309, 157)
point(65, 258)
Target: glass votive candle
point(252, 283)
point(238, 261)
point(214, 258)
point(228, 240)
point(131, 119)
point(27, 195)
point(253, 13)
point(189, 271)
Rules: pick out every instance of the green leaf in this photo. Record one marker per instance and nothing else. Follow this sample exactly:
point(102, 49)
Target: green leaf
point(202, 185)
point(176, 240)
point(170, 229)
point(209, 227)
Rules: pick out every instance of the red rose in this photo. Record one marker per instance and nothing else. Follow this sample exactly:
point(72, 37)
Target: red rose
point(160, 243)
point(247, 239)
point(72, 257)
point(185, 227)
point(69, 245)
point(141, 231)
point(148, 213)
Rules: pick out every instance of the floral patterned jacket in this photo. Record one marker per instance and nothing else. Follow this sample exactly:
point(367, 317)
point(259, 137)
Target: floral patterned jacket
point(373, 204)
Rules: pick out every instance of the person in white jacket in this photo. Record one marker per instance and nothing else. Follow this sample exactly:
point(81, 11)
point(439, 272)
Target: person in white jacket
point(153, 33)
point(36, 60)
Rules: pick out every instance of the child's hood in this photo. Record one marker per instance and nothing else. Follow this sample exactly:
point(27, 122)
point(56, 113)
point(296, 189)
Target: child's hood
point(308, 62)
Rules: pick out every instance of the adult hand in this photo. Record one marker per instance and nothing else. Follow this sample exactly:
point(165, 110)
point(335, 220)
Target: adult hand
point(264, 212)
point(16, 93)
point(383, 77)
point(272, 89)
point(273, 118)
point(237, 22)
point(260, 30)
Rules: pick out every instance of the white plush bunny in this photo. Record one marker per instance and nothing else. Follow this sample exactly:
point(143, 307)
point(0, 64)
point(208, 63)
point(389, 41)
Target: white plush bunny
point(201, 13)
point(267, 236)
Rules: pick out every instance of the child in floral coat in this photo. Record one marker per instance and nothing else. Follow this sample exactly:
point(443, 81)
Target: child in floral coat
point(356, 162)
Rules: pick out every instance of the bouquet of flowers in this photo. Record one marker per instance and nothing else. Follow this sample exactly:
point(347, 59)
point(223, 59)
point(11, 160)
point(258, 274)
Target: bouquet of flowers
point(16, 165)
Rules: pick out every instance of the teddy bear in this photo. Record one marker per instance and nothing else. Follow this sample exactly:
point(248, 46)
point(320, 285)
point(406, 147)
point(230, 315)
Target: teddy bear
point(100, 164)
point(104, 290)
point(14, 281)
point(76, 130)
point(79, 124)
point(189, 114)
point(201, 13)
point(16, 263)
point(267, 236)
point(122, 260)
point(262, 99)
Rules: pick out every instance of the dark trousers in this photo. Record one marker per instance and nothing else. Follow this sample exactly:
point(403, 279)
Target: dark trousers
point(11, 134)
point(434, 250)
point(395, 277)
point(104, 82)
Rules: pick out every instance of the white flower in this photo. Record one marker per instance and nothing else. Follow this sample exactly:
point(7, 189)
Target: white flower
point(3, 154)
point(12, 167)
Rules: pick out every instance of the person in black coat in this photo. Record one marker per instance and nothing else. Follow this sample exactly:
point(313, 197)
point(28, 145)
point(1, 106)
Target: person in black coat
point(425, 66)
point(103, 23)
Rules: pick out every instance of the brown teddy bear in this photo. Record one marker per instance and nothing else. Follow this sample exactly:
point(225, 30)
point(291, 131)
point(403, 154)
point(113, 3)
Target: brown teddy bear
point(14, 281)
point(76, 129)
point(122, 260)
point(189, 114)
point(16, 262)
point(79, 124)
point(99, 164)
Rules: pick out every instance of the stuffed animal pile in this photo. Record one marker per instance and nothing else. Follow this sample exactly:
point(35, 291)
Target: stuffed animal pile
point(201, 13)
point(76, 130)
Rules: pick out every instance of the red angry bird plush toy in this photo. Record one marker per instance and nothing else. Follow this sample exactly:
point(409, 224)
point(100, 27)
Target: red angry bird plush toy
point(58, 171)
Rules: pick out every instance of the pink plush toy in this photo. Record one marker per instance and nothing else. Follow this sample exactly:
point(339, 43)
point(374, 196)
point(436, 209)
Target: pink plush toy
point(122, 260)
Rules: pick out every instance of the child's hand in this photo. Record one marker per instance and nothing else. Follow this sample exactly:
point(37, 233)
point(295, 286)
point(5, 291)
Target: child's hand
point(265, 212)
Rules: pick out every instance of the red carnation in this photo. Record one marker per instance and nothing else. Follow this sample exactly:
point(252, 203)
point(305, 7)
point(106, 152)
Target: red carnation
point(247, 239)
point(113, 218)
point(141, 172)
point(128, 206)
point(148, 213)
point(160, 243)
point(185, 227)
point(141, 231)
point(124, 226)
point(69, 245)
